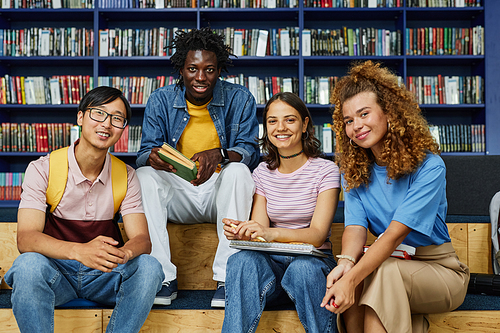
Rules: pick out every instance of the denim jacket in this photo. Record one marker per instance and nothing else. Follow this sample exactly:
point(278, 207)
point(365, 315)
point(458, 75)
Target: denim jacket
point(232, 109)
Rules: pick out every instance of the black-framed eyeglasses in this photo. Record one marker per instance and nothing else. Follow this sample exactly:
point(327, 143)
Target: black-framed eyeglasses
point(101, 116)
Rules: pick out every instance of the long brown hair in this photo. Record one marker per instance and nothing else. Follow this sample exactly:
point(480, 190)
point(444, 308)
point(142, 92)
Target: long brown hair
point(310, 144)
point(408, 138)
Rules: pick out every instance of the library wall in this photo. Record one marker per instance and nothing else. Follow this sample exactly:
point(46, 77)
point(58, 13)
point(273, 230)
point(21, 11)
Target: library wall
point(52, 52)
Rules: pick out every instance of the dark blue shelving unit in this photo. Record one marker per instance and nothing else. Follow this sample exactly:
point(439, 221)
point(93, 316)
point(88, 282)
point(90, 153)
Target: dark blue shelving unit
point(487, 65)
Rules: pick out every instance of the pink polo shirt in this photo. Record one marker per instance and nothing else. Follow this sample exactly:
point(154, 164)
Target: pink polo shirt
point(82, 199)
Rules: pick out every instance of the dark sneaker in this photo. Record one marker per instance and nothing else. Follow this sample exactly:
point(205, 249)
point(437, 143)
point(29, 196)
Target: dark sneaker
point(167, 293)
point(219, 299)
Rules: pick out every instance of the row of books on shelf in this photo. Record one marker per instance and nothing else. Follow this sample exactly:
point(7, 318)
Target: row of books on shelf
point(46, 137)
point(136, 89)
point(193, 4)
point(36, 137)
point(27, 42)
point(447, 89)
point(351, 42)
point(264, 88)
point(443, 3)
point(72, 41)
point(317, 89)
point(445, 41)
point(54, 4)
point(159, 4)
point(128, 42)
point(460, 138)
point(155, 41)
point(34, 90)
point(130, 141)
point(70, 89)
point(353, 3)
point(259, 42)
point(10, 185)
point(249, 4)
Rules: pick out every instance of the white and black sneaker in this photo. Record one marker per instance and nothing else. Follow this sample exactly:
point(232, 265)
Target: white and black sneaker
point(219, 299)
point(167, 293)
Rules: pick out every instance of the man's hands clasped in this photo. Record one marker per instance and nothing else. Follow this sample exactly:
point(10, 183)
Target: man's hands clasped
point(100, 253)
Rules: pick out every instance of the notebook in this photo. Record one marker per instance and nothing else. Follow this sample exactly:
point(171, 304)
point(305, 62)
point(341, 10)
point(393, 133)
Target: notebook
point(278, 248)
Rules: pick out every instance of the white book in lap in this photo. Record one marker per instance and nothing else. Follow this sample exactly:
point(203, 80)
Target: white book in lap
point(278, 248)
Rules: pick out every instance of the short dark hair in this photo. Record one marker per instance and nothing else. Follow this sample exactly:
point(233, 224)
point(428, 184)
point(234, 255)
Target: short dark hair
point(104, 95)
point(310, 144)
point(199, 39)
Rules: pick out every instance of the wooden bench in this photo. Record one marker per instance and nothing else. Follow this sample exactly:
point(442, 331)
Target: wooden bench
point(193, 248)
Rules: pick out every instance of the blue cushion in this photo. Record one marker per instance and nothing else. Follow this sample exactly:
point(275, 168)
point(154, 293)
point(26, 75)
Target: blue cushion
point(200, 299)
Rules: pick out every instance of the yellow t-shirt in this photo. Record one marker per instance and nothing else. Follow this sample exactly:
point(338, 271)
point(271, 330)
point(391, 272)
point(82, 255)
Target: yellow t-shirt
point(200, 133)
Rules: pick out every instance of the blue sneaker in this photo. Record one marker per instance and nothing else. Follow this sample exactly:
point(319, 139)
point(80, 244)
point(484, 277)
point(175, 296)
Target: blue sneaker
point(219, 299)
point(167, 293)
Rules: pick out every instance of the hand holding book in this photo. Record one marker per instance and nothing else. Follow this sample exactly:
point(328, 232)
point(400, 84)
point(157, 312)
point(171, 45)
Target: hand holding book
point(208, 162)
point(184, 167)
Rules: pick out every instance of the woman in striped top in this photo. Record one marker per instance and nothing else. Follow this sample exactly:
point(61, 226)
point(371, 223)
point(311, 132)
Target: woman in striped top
point(295, 201)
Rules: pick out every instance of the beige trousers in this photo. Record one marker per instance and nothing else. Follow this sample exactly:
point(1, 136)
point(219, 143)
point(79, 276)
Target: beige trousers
point(403, 292)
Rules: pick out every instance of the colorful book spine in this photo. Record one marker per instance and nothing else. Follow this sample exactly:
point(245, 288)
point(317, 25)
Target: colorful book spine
point(35, 137)
point(10, 185)
point(442, 89)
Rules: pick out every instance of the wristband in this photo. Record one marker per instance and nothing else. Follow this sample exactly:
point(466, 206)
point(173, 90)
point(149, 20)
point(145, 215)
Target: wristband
point(225, 156)
point(348, 257)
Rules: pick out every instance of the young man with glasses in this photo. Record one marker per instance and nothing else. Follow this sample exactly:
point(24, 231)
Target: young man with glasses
point(71, 247)
point(214, 123)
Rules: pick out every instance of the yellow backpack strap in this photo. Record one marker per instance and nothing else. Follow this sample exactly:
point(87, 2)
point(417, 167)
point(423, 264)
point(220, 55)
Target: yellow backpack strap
point(119, 180)
point(58, 176)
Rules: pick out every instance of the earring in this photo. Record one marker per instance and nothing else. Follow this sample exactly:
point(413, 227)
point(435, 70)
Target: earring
point(351, 143)
point(307, 135)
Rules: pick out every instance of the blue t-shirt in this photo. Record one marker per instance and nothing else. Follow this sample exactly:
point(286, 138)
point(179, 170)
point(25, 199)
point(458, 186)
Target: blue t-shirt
point(417, 200)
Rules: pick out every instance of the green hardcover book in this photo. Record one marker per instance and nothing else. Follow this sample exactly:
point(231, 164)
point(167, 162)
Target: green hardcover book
point(186, 168)
point(350, 41)
point(446, 40)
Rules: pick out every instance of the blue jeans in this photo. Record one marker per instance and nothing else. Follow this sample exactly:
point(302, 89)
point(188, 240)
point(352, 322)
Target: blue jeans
point(40, 283)
point(255, 278)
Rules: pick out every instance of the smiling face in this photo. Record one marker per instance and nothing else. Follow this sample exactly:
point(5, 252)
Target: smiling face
point(101, 135)
point(200, 73)
point(365, 122)
point(285, 127)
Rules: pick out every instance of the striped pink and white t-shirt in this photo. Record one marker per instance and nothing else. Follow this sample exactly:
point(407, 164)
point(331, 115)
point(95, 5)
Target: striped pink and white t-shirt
point(291, 198)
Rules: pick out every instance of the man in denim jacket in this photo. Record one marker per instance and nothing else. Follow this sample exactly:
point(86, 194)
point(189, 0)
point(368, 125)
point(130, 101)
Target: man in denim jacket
point(214, 123)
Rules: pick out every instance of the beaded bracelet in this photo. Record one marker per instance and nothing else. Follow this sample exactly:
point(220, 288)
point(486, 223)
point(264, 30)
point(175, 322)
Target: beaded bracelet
point(348, 257)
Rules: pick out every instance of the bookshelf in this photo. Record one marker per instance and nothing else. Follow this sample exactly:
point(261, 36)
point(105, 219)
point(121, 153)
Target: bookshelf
point(294, 66)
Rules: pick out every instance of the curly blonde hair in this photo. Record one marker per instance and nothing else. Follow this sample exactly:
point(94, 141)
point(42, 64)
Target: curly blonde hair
point(408, 138)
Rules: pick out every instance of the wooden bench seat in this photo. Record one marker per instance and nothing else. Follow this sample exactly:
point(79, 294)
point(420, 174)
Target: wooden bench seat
point(199, 317)
point(193, 248)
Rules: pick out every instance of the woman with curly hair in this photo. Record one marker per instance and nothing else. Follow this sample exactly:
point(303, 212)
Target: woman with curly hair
point(295, 201)
point(394, 182)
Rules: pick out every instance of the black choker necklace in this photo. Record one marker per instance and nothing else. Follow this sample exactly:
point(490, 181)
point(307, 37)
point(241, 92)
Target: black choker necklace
point(292, 156)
